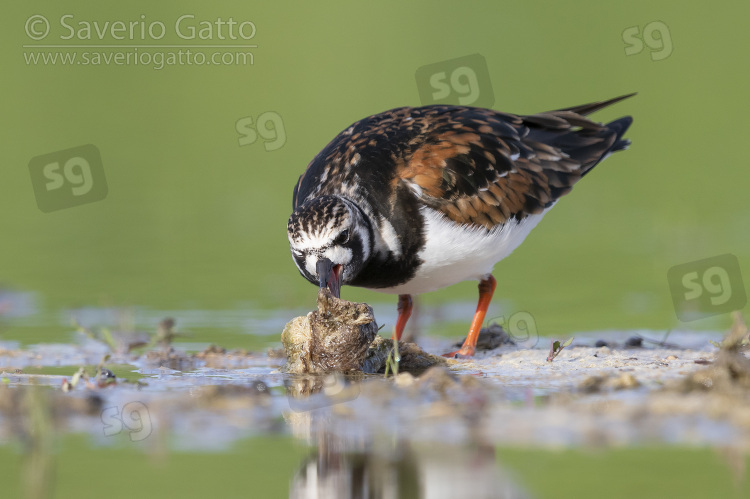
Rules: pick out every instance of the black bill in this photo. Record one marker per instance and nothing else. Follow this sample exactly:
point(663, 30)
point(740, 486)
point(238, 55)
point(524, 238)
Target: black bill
point(330, 276)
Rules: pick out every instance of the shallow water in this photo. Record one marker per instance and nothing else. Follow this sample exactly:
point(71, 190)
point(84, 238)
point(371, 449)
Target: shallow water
point(440, 435)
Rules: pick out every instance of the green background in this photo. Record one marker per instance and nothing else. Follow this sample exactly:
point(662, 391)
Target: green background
point(194, 220)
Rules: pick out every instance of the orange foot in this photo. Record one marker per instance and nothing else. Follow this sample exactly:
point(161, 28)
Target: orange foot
point(486, 290)
point(463, 353)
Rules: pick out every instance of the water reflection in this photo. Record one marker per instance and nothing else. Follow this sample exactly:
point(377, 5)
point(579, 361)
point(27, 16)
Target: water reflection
point(382, 462)
point(384, 468)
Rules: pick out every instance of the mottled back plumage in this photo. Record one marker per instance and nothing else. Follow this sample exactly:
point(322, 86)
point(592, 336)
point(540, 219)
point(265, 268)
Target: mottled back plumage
point(477, 166)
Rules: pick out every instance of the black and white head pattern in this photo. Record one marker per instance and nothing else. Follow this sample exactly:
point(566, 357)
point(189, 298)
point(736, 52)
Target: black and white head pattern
point(330, 227)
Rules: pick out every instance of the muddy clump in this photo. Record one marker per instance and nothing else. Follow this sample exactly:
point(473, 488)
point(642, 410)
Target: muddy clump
point(333, 338)
point(413, 358)
point(341, 336)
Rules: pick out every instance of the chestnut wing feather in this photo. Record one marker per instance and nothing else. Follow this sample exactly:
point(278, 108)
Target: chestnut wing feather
point(483, 168)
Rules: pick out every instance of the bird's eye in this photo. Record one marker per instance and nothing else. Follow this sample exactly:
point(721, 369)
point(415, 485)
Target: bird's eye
point(342, 238)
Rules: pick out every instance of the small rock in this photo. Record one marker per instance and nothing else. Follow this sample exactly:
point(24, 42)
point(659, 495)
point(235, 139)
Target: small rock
point(601, 343)
point(490, 338)
point(634, 342)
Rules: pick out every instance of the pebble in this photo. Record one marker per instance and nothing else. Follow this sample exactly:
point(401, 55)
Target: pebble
point(634, 342)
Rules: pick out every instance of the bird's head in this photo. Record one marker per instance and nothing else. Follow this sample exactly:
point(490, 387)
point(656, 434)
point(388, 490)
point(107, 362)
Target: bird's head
point(331, 240)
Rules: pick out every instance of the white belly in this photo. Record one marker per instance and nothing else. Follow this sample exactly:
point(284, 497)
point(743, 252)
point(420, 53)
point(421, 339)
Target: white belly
point(455, 253)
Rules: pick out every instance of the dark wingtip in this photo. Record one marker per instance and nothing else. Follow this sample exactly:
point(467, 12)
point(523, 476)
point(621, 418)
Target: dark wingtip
point(620, 126)
point(617, 128)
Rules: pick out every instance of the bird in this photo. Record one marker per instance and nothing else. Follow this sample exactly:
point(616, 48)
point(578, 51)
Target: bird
point(415, 199)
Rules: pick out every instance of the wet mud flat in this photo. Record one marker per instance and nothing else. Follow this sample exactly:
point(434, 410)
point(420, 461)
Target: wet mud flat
point(612, 394)
point(604, 390)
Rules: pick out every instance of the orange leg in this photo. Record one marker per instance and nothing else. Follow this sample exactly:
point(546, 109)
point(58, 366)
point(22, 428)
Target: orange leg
point(486, 290)
point(404, 312)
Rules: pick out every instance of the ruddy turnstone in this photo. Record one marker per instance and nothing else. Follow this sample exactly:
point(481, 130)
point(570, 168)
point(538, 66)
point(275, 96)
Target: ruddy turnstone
point(416, 199)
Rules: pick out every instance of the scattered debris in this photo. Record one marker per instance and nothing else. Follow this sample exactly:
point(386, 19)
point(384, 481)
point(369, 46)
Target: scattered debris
point(119, 342)
point(105, 378)
point(102, 377)
point(558, 347)
point(730, 372)
point(214, 349)
point(276, 353)
point(171, 358)
point(165, 334)
point(391, 362)
point(738, 338)
point(213, 357)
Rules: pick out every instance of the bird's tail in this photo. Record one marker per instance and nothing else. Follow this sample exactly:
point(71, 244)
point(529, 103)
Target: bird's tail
point(620, 126)
point(618, 129)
